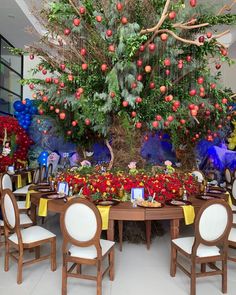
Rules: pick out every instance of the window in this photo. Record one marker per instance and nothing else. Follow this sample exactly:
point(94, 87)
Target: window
point(11, 72)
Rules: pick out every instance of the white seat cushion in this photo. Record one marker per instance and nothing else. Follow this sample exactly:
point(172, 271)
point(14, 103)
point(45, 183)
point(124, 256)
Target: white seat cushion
point(233, 208)
point(22, 191)
point(202, 251)
point(21, 205)
point(232, 235)
point(1, 222)
point(32, 234)
point(234, 218)
point(90, 252)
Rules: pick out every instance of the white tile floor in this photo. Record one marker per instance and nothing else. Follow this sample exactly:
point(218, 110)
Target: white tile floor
point(137, 272)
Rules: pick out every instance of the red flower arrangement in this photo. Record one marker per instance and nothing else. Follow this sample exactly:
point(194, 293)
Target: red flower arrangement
point(21, 140)
point(109, 185)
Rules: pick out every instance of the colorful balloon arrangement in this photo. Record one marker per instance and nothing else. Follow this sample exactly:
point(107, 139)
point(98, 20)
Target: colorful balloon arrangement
point(24, 110)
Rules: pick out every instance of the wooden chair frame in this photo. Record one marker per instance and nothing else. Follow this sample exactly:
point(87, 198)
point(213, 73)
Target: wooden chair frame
point(19, 248)
point(227, 173)
point(77, 262)
point(36, 175)
point(43, 175)
point(222, 241)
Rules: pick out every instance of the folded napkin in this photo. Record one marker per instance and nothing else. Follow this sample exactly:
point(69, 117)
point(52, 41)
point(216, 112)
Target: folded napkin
point(19, 181)
point(29, 177)
point(189, 214)
point(27, 199)
point(43, 207)
point(104, 211)
point(229, 199)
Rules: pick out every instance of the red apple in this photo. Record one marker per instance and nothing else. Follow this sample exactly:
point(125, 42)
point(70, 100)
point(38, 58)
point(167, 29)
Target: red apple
point(76, 22)
point(125, 103)
point(213, 85)
point(166, 123)
point(109, 33)
point(207, 113)
point(191, 106)
point(62, 116)
point(40, 67)
point(112, 94)
point(119, 6)
point(31, 56)
point(139, 77)
point(176, 104)
point(87, 121)
point(62, 84)
point(218, 66)
point(31, 86)
point(155, 124)
point(158, 117)
point(170, 118)
point(44, 71)
point(148, 69)
point(163, 89)
point(48, 80)
point(141, 48)
point(133, 114)
point(98, 18)
point(192, 92)
point(69, 132)
point(44, 99)
point(152, 85)
point(84, 66)
point(111, 48)
point(103, 67)
point(202, 94)
point(224, 100)
point(172, 15)
point(124, 20)
point(152, 47)
point(74, 123)
point(80, 90)
point(217, 106)
point(167, 62)
point(67, 32)
point(193, 113)
point(193, 3)
point(164, 37)
point(209, 35)
point(167, 72)
point(188, 58)
point(200, 80)
point(56, 80)
point(40, 111)
point(70, 77)
point(182, 121)
point(57, 111)
point(134, 85)
point(180, 66)
point(138, 100)
point(51, 108)
point(83, 51)
point(82, 10)
point(138, 125)
point(62, 66)
point(139, 62)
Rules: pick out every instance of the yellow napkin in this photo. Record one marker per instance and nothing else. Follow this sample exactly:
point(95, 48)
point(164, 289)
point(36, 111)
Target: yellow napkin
point(29, 177)
point(27, 199)
point(104, 211)
point(19, 181)
point(43, 207)
point(229, 200)
point(189, 214)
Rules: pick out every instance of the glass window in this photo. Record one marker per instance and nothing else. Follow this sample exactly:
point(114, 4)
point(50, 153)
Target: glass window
point(13, 61)
point(10, 80)
point(6, 101)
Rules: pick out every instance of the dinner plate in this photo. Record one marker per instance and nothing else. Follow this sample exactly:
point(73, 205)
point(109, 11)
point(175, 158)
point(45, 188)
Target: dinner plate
point(215, 192)
point(44, 190)
point(177, 202)
point(106, 202)
point(208, 197)
point(146, 204)
point(55, 196)
point(43, 183)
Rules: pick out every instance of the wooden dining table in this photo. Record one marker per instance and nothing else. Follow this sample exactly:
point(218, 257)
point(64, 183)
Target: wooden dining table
point(124, 211)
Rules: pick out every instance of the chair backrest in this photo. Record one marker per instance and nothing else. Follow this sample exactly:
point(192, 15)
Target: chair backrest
point(234, 174)
point(233, 194)
point(36, 177)
point(6, 182)
point(198, 174)
point(228, 176)
point(42, 173)
point(213, 223)
point(10, 213)
point(49, 170)
point(81, 224)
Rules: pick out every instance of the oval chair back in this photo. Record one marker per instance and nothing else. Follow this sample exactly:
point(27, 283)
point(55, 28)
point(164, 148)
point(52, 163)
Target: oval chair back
point(228, 176)
point(49, 171)
point(213, 224)
point(10, 214)
point(36, 177)
point(6, 182)
point(199, 175)
point(43, 173)
point(233, 192)
point(81, 224)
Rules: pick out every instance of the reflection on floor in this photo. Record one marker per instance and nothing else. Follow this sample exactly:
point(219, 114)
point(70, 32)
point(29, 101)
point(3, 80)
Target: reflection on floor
point(137, 272)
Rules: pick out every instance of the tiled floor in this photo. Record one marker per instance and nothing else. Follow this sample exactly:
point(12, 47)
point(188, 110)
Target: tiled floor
point(137, 272)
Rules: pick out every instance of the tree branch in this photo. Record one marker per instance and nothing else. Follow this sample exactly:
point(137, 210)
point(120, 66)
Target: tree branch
point(226, 7)
point(159, 24)
point(186, 27)
point(196, 42)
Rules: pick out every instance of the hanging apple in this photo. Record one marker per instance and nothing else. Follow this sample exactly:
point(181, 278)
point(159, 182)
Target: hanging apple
point(193, 3)
point(48, 80)
point(201, 39)
point(193, 113)
point(84, 66)
point(98, 18)
point(152, 85)
point(170, 118)
point(44, 99)
point(213, 85)
point(209, 35)
point(31, 86)
point(125, 103)
point(172, 15)
point(31, 56)
point(111, 48)
point(124, 20)
point(69, 132)
point(87, 122)
point(139, 77)
point(133, 114)
point(109, 33)
point(182, 121)
point(83, 51)
point(141, 48)
point(188, 58)
point(62, 84)
point(62, 116)
point(138, 125)
point(139, 63)
point(207, 113)
point(70, 77)
point(218, 66)
point(62, 67)
point(155, 124)
point(224, 100)
point(167, 62)
point(57, 111)
point(158, 117)
point(104, 67)
point(82, 10)
point(163, 89)
point(164, 37)
point(56, 81)
point(192, 92)
point(51, 108)
point(67, 32)
point(138, 100)
point(119, 6)
point(134, 85)
point(200, 80)
point(176, 104)
point(76, 22)
point(152, 47)
point(166, 123)
point(112, 94)
point(148, 69)
point(167, 72)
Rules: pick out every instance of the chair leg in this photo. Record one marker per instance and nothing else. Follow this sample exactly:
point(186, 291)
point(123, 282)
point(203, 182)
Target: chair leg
point(203, 267)
point(37, 252)
point(6, 266)
point(53, 255)
point(224, 275)
point(19, 269)
point(173, 261)
point(111, 258)
point(193, 280)
point(64, 277)
point(99, 278)
point(78, 268)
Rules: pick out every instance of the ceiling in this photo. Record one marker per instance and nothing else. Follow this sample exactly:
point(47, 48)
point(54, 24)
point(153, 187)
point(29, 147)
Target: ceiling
point(15, 18)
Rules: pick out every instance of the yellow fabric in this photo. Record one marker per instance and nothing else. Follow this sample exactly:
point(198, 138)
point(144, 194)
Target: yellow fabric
point(104, 211)
point(189, 214)
point(19, 181)
point(229, 200)
point(27, 200)
point(43, 207)
point(29, 177)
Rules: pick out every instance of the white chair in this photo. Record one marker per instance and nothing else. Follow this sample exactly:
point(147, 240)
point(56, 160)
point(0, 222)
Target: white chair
point(228, 178)
point(199, 175)
point(209, 245)
point(20, 239)
point(81, 227)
